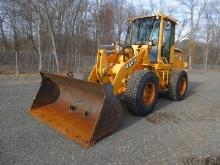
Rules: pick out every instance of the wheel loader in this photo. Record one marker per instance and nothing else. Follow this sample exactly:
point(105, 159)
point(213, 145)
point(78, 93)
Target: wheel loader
point(131, 76)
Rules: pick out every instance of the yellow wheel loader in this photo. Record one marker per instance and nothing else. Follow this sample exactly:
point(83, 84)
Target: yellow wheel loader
point(87, 110)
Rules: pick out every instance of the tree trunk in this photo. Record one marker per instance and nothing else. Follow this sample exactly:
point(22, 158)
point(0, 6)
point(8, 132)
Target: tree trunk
point(207, 42)
point(191, 38)
point(52, 35)
point(16, 44)
point(3, 34)
point(39, 44)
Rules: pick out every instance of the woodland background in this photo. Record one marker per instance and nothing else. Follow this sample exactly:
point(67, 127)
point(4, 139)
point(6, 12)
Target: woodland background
point(63, 35)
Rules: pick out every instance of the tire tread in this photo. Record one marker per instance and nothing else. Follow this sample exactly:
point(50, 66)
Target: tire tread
point(131, 90)
point(173, 85)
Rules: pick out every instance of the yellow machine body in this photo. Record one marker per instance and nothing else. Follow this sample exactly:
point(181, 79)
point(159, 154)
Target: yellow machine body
point(115, 68)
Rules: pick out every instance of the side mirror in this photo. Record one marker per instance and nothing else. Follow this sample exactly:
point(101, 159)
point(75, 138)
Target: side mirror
point(152, 42)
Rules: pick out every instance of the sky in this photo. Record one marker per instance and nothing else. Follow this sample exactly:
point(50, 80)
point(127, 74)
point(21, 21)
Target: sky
point(146, 3)
point(170, 4)
point(158, 6)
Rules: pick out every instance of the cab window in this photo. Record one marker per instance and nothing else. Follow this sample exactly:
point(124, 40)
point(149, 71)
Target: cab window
point(168, 38)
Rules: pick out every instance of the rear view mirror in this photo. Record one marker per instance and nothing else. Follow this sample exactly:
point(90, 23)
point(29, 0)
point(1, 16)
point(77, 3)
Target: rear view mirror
point(152, 42)
point(168, 25)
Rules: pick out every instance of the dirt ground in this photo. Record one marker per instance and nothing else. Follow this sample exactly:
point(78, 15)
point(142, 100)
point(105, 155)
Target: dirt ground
point(185, 132)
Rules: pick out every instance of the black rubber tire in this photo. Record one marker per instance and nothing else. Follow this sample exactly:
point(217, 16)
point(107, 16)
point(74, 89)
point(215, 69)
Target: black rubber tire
point(86, 74)
point(174, 85)
point(134, 92)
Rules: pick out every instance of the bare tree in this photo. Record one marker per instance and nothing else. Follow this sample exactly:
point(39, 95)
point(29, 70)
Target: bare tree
point(56, 35)
point(52, 35)
point(208, 31)
point(2, 19)
point(194, 8)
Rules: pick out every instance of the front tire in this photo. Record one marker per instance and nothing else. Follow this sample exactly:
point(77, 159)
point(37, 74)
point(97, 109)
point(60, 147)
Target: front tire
point(141, 92)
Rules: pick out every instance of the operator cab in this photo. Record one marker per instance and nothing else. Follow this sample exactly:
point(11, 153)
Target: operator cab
point(158, 31)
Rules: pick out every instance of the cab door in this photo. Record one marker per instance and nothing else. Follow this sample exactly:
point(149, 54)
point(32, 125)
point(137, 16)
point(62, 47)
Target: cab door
point(168, 40)
point(155, 38)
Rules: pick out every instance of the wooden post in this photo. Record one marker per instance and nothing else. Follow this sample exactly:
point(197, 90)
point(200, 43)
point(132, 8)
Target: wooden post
point(16, 63)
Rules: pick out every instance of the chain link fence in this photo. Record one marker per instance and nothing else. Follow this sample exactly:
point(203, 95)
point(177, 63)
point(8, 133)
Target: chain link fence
point(207, 67)
point(77, 64)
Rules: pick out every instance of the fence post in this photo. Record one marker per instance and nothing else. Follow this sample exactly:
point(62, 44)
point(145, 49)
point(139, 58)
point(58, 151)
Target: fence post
point(16, 63)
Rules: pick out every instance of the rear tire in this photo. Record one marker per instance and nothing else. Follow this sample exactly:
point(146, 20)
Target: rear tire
point(141, 92)
point(178, 84)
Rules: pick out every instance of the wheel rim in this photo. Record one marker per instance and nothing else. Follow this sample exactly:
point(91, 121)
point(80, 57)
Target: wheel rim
point(149, 93)
point(182, 87)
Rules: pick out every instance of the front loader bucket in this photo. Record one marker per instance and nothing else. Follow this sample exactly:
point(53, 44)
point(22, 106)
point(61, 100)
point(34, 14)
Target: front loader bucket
point(81, 110)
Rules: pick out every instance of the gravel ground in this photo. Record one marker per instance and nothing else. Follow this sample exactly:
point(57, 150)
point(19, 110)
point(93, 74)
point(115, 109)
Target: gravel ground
point(186, 132)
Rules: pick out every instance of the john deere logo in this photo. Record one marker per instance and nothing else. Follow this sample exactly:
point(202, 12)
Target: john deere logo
point(130, 63)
